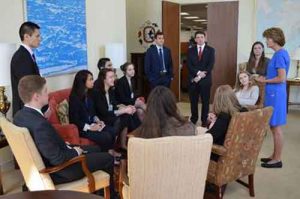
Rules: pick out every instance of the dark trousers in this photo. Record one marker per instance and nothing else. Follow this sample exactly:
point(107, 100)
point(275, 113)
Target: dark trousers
point(163, 81)
point(96, 160)
point(105, 138)
point(197, 90)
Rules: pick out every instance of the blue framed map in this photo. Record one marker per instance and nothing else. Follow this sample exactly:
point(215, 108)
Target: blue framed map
point(284, 14)
point(63, 47)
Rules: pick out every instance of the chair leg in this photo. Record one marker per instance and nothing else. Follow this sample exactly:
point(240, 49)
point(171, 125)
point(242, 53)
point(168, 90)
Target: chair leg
point(251, 185)
point(221, 191)
point(106, 193)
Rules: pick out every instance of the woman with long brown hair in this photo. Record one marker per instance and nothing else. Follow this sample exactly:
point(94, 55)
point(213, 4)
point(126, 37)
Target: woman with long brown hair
point(257, 63)
point(162, 117)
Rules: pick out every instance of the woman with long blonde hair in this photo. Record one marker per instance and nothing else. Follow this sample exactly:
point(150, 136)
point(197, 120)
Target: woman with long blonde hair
point(245, 90)
point(225, 105)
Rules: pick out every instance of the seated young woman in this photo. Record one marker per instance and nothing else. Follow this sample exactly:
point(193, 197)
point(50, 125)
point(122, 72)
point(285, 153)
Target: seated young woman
point(246, 92)
point(225, 105)
point(162, 117)
point(126, 93)
point(82, 113)
point(123, 118)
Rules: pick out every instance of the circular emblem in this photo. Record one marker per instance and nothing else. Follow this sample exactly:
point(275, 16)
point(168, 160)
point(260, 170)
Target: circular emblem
point(146, 33)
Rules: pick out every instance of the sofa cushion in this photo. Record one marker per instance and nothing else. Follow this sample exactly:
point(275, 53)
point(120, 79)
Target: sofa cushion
point(62, 110)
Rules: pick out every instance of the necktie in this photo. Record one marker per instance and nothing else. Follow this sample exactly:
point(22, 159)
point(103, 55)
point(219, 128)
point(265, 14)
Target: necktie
point(162, 60)
point(200, 53)
point(33, 57)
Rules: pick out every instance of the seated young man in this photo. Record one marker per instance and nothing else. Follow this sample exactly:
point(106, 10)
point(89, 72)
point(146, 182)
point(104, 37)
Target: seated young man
point(54, 151)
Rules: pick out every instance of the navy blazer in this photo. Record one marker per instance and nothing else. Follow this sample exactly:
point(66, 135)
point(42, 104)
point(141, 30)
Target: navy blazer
point(123, 92)
point(81, 112)
point(153, 65)
point(50, 145)
point(21, 65)
point(205, 64)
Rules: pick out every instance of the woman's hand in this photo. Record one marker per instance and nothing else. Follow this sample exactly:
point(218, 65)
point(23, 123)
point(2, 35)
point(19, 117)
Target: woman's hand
point(261, 79)
point(96, 127)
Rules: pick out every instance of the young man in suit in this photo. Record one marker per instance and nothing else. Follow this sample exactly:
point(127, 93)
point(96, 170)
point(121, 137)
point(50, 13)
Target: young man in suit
point(201, 59)
point(54, 151)
point(158, 63)
point(23, 61)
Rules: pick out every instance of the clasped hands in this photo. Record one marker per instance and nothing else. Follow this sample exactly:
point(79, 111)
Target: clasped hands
point(200, 75)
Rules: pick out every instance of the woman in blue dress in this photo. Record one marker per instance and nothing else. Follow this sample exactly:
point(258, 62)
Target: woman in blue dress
point(275, 92)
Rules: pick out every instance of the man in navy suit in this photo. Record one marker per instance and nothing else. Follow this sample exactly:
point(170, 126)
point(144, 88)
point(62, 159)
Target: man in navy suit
point(23, 61)
point(158, 63)
point(54, 151)
point(201, 59)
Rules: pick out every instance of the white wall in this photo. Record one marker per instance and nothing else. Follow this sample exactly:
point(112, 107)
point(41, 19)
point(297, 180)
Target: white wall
point(105, 21)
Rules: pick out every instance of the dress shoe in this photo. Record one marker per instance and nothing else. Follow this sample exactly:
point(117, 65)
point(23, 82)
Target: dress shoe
point(272, 165)
point(265, 160)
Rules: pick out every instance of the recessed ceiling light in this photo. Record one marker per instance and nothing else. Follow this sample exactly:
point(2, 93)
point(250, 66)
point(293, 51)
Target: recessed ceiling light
point(200, 20)
point(191, 17)
point(184, 13)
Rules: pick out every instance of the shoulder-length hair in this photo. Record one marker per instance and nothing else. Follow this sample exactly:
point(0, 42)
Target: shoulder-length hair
point(225, 101)
point(161, 106)
point(252, 59)
point(79, 88)
point(238, 85)
point(101, 77)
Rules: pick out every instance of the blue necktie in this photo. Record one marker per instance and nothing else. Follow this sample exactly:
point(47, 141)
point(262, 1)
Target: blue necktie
point(162, 60)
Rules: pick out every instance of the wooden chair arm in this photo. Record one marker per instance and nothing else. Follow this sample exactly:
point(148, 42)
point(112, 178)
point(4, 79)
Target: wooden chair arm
point(218, 149)
point(86, 171)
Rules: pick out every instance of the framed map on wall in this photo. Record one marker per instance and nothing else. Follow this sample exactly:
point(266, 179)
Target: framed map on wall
point(279, 13)
point(63, 47)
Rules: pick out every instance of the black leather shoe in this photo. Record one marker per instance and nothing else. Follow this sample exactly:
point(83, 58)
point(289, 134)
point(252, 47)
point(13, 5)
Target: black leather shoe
point(272, 165)
point(265, 160)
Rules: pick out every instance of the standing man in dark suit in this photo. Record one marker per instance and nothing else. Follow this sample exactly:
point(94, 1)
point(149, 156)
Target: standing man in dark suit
point(201, 59)
point(158, 63)
point(23, 61)
point(54, 151)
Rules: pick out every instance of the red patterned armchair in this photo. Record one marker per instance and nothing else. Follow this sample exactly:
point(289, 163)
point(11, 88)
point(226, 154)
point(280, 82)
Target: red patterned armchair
point(69, 132)
point(242, 144)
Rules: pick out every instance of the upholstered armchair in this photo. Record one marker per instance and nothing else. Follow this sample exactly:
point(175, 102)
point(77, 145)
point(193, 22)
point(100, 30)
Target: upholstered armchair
point(239, 154)
point(261, 97)
point(69, 132)
point(35, 174)
point(170, 167)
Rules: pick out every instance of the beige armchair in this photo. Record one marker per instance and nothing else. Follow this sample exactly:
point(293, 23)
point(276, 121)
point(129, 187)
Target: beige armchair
point(169, 167)
point(242, 145)
point(35, 174)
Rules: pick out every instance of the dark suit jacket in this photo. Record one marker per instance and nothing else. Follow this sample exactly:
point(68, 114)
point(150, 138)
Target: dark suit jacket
point(205, 64)
point(21, 65)
point(81, 112)
point(50, 145)
point(123, 93)
point(153, 65)
point(101, 106)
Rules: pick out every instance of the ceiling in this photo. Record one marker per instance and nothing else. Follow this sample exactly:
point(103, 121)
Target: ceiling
point(194, 10)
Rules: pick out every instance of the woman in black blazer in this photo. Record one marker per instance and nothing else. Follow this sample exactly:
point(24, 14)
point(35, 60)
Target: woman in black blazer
point(224, 106)
point(123, 118)
point(82, 112)
point(126, 92)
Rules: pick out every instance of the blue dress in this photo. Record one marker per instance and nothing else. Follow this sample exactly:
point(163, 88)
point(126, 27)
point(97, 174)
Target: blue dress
point(275, 94)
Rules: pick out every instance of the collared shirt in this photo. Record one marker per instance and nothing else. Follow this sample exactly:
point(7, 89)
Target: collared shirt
point(202, 48)
point(28, 49)
point(130, 86)
point(162, 51)
point(38, 110)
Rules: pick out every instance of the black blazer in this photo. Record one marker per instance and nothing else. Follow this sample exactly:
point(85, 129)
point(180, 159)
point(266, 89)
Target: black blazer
point(81, 112)
point(21, 65)
point(153, 65)
point(50, 145)
point(123, 92)
point(205, 64)
point(101, 106)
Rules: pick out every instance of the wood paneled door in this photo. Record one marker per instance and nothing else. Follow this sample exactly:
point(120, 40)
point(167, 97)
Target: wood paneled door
point(171, 29)
point(222, 32)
